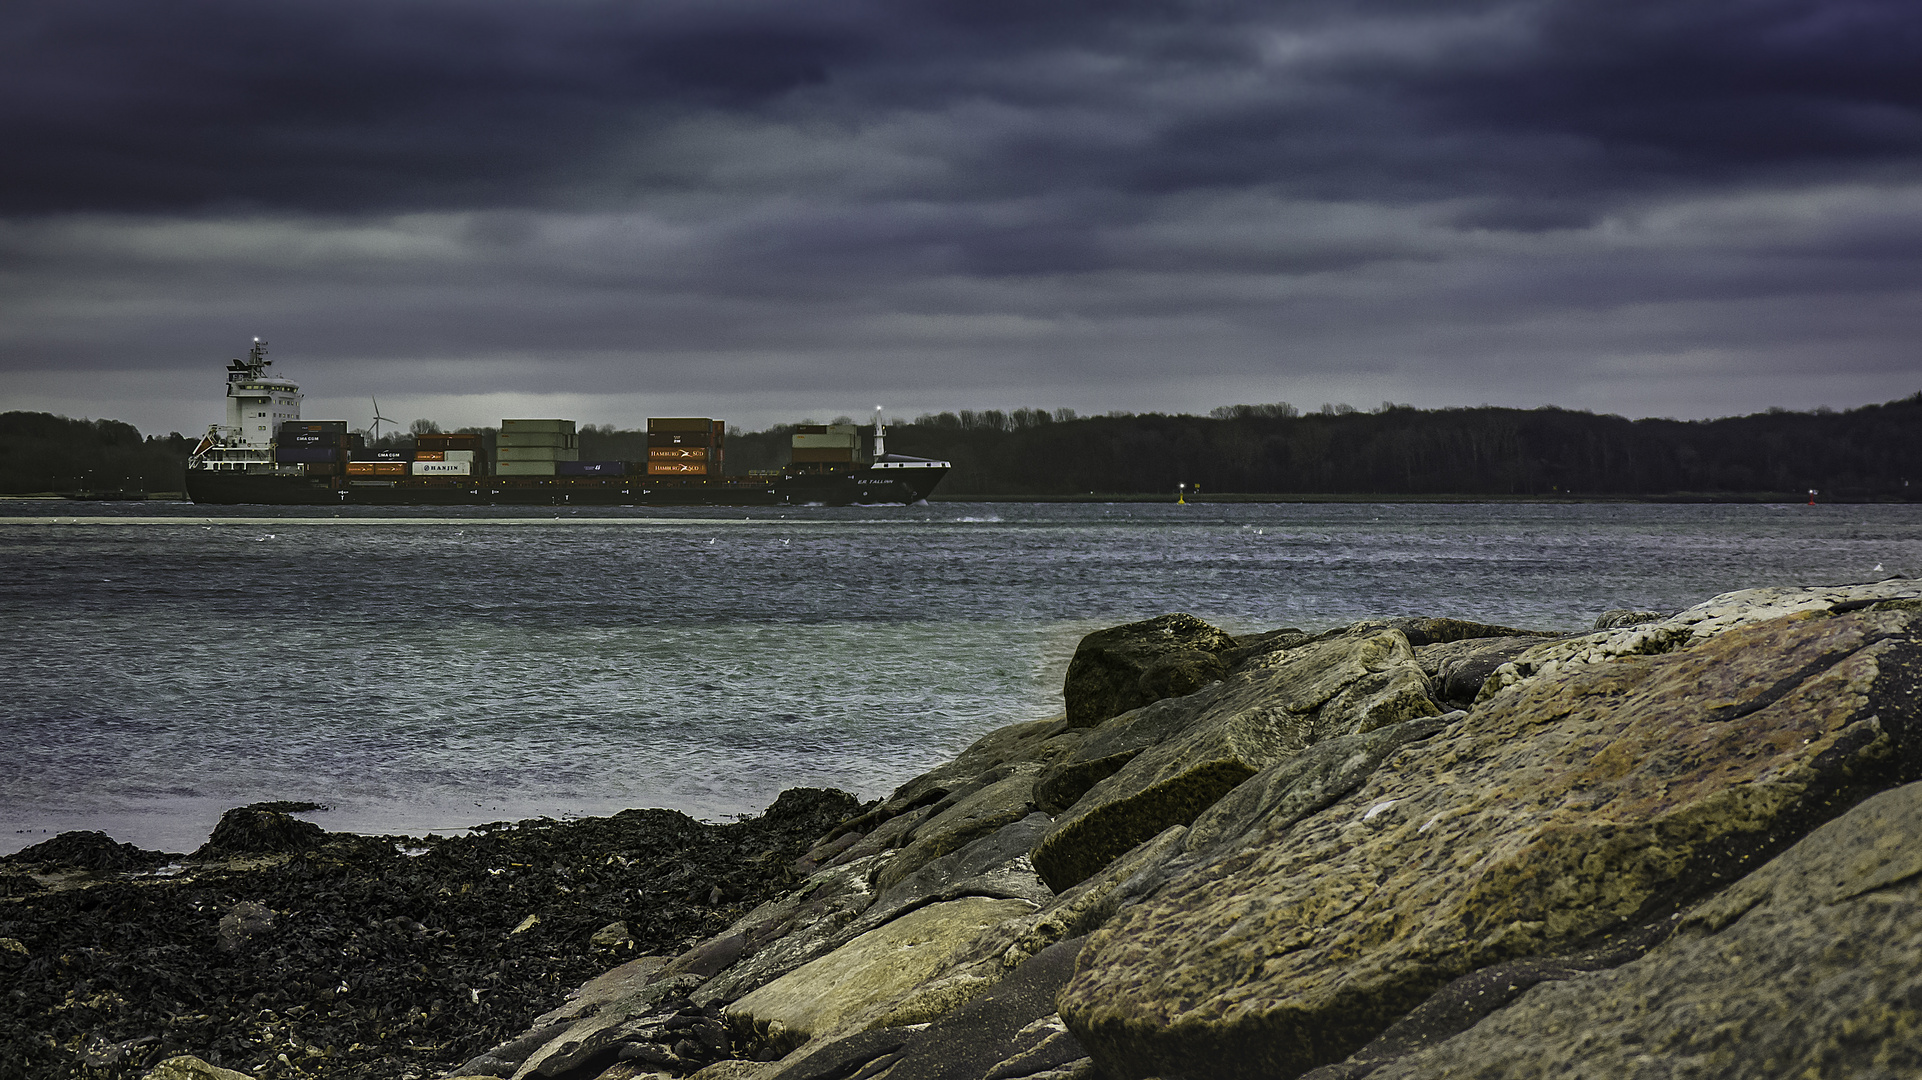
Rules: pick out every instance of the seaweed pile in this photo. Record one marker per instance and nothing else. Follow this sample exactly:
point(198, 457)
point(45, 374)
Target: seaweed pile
point(286, 951)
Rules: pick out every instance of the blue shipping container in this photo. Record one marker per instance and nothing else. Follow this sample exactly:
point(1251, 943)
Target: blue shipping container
point(589, 468)
point(383, 455)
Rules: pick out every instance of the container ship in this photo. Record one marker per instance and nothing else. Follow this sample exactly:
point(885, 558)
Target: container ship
point(266, 453)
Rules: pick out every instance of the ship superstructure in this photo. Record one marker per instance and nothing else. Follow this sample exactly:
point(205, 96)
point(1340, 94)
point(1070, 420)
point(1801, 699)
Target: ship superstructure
point(257, 405)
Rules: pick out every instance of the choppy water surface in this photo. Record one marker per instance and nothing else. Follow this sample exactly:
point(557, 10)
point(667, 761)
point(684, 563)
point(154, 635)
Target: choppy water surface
point(422, 670)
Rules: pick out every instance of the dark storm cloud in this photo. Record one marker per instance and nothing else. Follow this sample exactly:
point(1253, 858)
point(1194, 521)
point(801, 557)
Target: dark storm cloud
point(1636, 206)
point(357, 105)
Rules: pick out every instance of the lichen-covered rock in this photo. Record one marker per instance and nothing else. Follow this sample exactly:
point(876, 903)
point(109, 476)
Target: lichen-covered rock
point(1616, 618)
point(993, 865)
point(1126, 667)
point(1003, 802)
point(1693, 626)
point(874, 968)
point(783, 934)
point(1570, 807)
point(1811, 966)
point(1210, 742)
point(1457, 669)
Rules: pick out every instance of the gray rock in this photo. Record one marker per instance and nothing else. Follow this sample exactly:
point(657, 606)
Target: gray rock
point(1811, 966)
point(1422, 630)
point(1286, 792)
point(841, 1058)
point(1458, 668)
point(1013, 1025)
point(1083, 908)
point(982, 812)
point(1126, 667)
point(1210, 742)
point(992, 865)
point(187, 1067)
point(243, 922)
point(1695, 625)
point(873, 969)
point(781, 935)
point(615, 935)
point(1571, 807)
point(1616, 618)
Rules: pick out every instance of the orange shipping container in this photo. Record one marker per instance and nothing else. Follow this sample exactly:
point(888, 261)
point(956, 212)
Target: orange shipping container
point(677, 453)
point(676, 468)
point(377, 468)
point(430, 455)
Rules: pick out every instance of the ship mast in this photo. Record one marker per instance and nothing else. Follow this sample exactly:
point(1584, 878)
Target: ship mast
point(880, 435)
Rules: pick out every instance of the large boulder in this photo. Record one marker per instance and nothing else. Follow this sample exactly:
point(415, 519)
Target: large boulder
point(1126, 667)
point(873, 969)
point(1560, 811)
point(1824, 944)
point(1208, 743)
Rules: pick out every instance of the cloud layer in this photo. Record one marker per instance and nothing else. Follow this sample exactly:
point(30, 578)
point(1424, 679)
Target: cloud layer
point(769, 210)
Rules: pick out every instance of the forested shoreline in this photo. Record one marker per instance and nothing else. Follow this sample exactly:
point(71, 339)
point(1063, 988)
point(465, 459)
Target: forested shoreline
point(1868, 453)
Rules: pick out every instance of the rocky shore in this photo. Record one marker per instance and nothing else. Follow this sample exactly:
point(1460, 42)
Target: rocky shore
point(1683, 844)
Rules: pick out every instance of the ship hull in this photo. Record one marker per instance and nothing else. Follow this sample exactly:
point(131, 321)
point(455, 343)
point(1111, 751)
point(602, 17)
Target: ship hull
point(843, 488)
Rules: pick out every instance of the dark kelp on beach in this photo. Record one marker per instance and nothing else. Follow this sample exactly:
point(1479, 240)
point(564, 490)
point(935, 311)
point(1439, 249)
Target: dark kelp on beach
point(282, 950)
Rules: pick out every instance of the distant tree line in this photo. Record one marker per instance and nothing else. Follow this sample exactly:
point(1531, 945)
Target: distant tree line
point(41, 452)
point(1873, 452)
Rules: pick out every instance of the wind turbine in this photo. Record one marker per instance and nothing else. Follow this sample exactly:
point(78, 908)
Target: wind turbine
point(378, 419)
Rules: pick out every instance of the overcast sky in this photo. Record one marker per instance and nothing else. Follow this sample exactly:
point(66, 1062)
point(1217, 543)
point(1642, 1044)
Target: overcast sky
point(767, 211)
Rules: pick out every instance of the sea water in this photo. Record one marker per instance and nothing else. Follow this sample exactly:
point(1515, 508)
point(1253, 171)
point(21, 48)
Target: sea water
point(427, 670)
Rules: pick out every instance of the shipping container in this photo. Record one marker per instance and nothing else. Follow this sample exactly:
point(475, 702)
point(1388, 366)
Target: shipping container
point(836, 439)
point(676, 468)
point(314, 427)
point(289, 455)
point(377, 468)
point(523, 427)
point(384, 455)
point(323, 468)
point(311, 438)
point(666, 439)
point(464, 441)
point(557, 439)
point(458, 455)
point(677, 453)
point(443, 468)
point(429, 455)
point(590, 468)
point(524, 468)
point(806, 456)
point(536, 453)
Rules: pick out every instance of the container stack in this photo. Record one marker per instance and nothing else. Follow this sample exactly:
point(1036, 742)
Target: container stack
point(389, 464)
point(684, 446)
point(535, 447)
point(447, 455)
point(319, 445)
point(826, 445)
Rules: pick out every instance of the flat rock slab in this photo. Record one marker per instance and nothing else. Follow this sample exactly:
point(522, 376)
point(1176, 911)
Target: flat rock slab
point(876, 967)
point(1811, 966)
point(1568, 808)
